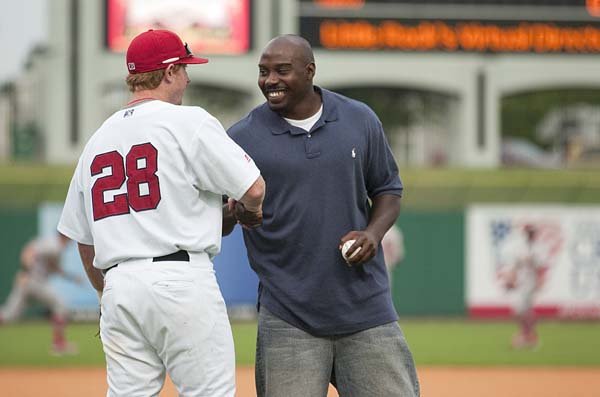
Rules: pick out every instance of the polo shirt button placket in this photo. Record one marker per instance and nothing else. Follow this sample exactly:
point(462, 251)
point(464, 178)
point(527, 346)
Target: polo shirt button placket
point(311, 148)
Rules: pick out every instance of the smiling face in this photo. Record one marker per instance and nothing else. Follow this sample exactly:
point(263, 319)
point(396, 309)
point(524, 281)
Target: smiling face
point(286, 70)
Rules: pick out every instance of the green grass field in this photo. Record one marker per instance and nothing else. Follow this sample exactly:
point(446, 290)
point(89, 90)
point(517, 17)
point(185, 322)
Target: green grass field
point(433, 342)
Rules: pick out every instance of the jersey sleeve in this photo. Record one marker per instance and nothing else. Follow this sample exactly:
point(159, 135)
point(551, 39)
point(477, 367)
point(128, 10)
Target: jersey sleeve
point(73, 221)
point(219, 164)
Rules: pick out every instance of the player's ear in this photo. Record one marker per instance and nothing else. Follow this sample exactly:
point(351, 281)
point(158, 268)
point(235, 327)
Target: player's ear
point(170, 73)
point(311, 70)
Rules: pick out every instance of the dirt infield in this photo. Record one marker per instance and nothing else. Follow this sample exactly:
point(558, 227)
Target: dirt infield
point(435, 382)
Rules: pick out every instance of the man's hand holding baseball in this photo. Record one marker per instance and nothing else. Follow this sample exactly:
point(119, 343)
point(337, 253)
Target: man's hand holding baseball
point(363, 249)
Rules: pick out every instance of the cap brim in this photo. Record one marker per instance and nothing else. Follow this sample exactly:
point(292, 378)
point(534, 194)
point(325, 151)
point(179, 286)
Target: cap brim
point(193, 60)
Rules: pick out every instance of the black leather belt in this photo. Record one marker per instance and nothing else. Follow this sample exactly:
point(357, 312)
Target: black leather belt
point(179, 256)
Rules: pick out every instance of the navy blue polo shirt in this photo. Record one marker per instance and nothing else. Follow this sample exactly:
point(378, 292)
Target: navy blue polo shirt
point(318, 186)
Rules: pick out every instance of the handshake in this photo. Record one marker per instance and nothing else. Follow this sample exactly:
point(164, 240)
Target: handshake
point(247, 217)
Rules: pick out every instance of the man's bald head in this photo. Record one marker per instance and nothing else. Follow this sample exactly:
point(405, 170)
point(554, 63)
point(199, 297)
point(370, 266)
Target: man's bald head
point(299, 46)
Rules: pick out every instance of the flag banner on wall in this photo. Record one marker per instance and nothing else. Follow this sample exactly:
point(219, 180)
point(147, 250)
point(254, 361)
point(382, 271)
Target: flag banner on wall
point(539, 256)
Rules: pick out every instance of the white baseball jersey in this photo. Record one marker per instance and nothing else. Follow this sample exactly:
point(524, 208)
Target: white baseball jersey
point(149, 183)
point(46, 251)
point(525, 258)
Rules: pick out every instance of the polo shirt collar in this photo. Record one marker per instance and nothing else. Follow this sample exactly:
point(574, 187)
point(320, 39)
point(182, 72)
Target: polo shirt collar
point(280, 126)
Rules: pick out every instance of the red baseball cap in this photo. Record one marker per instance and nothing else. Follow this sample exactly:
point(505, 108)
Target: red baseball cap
point(157, 49)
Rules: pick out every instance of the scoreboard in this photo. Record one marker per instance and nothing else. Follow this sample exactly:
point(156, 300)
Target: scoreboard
point(479, 26)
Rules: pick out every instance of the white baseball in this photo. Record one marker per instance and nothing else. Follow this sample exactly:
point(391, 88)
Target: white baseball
point(347, 246)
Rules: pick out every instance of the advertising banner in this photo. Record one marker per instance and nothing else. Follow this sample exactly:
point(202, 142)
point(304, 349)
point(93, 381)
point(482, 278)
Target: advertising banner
point(209, 26)
point(545, 256)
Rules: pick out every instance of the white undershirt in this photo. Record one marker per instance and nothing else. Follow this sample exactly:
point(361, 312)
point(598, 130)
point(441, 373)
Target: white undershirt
point(308, 123)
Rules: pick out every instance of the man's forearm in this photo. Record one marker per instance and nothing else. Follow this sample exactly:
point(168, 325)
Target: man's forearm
point(87, 253)
point(248, 209)
point(385, 211)
point(253, 198)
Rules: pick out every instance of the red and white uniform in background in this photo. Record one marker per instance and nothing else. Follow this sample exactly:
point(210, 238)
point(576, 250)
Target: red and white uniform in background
point(40, 258)
point(393, 248)
point(150, 183)
point(525, 262)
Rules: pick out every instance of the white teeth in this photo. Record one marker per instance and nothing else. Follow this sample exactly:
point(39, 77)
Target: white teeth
point(275, 94)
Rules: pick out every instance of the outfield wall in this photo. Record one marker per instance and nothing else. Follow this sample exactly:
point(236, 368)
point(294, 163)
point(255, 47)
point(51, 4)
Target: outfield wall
point(451, 267)
point(428, 282)
point(237, 281)
point(16, 228)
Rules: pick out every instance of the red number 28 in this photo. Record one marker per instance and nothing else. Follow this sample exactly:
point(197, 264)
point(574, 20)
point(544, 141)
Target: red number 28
point(139, 169)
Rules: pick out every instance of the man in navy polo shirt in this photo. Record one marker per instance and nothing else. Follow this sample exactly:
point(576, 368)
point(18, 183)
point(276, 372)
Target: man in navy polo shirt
point(330, 178)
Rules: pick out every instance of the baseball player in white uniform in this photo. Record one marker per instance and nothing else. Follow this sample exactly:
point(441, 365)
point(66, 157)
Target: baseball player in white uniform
point(523, 276)
point(393, 248)
point(40, 258)
point(145, 206)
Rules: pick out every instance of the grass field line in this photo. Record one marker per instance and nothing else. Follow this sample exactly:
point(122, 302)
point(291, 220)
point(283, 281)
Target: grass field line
point(433, 343)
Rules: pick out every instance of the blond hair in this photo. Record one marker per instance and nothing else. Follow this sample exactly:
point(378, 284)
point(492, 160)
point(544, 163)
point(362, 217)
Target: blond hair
point(148, 80)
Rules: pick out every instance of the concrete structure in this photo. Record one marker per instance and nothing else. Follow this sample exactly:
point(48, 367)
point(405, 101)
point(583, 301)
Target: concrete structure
point(83, 82)
point(5, 123)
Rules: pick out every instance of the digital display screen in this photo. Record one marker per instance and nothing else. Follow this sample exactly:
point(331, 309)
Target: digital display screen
point(542, 3)
point(489, 26)
point(208, 26)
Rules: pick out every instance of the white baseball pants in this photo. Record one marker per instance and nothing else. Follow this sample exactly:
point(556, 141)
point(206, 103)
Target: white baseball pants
point(166, 316)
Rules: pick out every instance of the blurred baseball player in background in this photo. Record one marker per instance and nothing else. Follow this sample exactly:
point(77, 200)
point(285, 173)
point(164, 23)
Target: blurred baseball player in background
point(40, 259)
point(323, 157)
point(145, 207)
point(393, 248)
point(523, 276)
